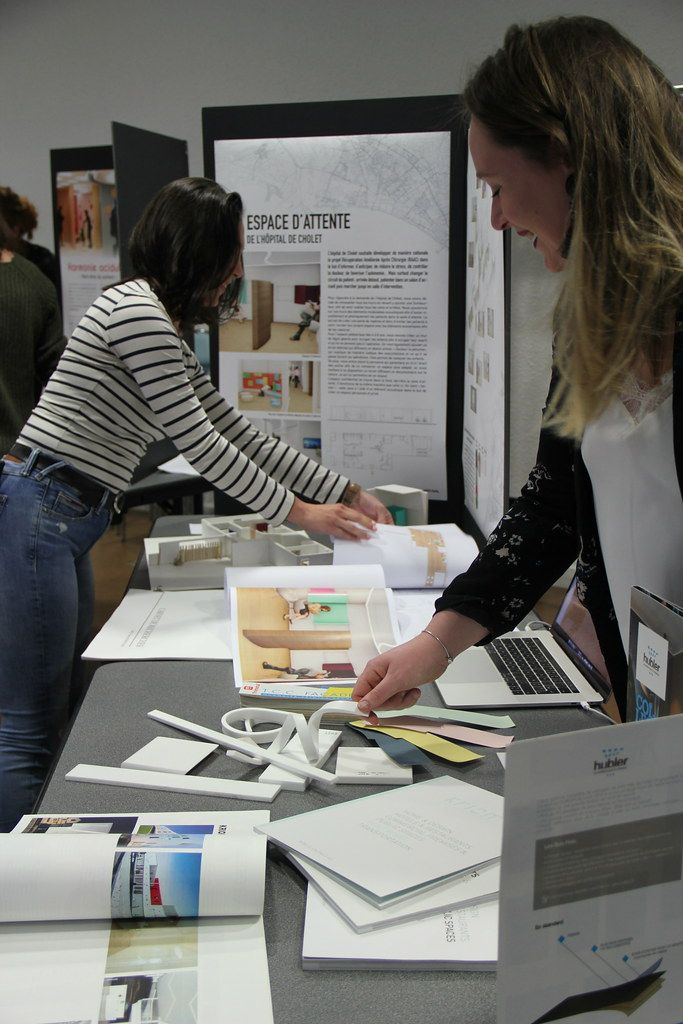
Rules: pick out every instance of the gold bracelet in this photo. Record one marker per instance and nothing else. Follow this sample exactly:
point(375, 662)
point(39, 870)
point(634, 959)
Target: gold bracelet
point(449, 657)
point(351, 492)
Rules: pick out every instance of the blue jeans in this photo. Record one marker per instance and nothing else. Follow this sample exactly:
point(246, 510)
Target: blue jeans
point(46, 605)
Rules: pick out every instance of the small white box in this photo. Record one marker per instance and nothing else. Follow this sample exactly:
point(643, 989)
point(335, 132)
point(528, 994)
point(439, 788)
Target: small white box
point(412, 499)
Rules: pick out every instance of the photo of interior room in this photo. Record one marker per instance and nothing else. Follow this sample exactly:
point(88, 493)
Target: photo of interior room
point(310, 634)
point(291, 386)
point(86, 202)
point(303, 434)
point(279, 305)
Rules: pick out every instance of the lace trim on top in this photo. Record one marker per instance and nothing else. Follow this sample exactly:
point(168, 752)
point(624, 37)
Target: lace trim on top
point(641, 399)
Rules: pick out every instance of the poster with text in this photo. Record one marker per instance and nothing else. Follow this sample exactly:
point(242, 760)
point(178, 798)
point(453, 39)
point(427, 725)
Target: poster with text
point(88, 243)
point(591, 910)
point(483, 452)
point(342, 322)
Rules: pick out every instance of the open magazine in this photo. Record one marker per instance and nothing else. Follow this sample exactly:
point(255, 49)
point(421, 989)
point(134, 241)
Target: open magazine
point(308, 624)
point(133, 917)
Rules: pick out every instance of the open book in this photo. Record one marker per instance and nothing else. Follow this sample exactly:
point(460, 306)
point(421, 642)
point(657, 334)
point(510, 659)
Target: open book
point(308, 624)
point(133, 917)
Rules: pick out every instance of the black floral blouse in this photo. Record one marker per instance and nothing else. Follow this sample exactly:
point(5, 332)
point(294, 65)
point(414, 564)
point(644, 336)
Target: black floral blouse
point(549, 525)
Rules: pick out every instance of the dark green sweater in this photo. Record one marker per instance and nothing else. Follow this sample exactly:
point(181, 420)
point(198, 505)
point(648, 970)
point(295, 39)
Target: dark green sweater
point(31, 342)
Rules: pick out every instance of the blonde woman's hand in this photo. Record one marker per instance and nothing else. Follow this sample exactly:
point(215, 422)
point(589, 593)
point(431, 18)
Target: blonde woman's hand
point(392, 681)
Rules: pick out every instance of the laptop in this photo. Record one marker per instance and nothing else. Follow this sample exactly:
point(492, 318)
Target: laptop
point(540, 668)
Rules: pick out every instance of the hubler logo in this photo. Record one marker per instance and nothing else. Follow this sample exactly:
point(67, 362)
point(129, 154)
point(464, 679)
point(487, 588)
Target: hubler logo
point(611, 760)
point(650, 660)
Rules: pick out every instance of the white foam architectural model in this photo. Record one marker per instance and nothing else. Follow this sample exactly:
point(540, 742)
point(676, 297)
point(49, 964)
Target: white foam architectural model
point(199, 562)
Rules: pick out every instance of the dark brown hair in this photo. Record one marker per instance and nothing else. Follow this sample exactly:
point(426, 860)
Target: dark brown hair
point(186, 243)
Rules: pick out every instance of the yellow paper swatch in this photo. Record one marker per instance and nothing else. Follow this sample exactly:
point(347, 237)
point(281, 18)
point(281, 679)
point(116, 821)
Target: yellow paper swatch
point(425, 741)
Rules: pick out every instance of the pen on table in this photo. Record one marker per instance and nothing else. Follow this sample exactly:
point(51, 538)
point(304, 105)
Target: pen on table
point(601, 714)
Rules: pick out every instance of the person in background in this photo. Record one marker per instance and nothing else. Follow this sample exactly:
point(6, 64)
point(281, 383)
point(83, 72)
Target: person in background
point(578, 135)
point(31, 338)
point(309, 313)
point(127, 378)
point(22, 219)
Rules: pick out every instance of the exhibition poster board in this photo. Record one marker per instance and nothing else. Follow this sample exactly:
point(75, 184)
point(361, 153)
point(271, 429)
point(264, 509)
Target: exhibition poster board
point(485, 446)
point(99, 193)
point(85, 231)
point(144, 162)
point(348, 338)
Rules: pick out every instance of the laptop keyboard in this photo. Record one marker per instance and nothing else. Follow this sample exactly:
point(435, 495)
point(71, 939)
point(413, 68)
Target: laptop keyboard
point(526, 667)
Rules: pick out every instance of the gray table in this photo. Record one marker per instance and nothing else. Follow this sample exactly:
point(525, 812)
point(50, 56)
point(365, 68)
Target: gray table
point(112, 724)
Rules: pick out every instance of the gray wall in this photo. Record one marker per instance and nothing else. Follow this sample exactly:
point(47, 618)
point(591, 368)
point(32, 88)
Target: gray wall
point(70, 67)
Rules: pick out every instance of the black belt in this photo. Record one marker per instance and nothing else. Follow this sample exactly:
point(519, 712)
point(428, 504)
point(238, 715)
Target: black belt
point(88, 491)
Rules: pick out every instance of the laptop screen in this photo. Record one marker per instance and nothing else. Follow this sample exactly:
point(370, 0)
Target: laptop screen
point(574, 630)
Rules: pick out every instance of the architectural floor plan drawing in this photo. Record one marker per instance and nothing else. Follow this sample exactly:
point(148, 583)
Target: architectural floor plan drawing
point(379, 455)
point(395, 414)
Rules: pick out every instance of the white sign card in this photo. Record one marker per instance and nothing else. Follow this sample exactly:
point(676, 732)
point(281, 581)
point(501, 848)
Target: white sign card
point(591, 913)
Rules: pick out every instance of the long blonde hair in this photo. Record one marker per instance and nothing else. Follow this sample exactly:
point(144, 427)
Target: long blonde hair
point(576, 87)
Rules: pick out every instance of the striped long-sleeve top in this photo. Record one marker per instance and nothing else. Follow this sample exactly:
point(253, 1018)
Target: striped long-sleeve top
point(126, 378)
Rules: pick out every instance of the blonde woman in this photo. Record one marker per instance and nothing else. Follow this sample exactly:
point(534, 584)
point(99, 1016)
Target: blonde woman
point(578, 135)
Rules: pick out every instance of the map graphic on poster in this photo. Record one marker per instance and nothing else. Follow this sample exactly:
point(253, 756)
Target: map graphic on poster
point(342, 327)
point(88, 244)
point(483, 452)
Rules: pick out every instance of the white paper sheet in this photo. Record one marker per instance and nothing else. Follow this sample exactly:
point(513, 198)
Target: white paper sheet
point(591, 894)
point(179, 464)
point(482, 884)
point(414, 610)
point(170, 624)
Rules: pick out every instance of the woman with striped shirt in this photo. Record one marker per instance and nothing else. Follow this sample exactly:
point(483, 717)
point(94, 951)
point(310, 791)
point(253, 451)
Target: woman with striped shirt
point(127, 378)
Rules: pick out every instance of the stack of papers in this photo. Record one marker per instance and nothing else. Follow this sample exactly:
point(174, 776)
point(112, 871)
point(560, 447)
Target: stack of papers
point(389, 899)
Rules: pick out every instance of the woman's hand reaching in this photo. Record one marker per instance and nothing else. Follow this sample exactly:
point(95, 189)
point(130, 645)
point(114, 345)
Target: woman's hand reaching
point(392, 681)
point(338, 520)
point(347, 522)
